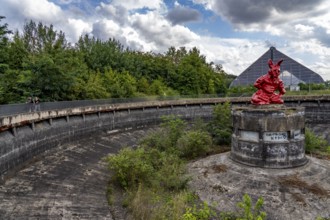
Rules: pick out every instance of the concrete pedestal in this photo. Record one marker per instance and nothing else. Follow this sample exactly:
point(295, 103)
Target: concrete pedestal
point(271, 136)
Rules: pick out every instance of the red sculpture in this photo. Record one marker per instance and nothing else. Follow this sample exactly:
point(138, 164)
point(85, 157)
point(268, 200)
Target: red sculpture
point(267, 85)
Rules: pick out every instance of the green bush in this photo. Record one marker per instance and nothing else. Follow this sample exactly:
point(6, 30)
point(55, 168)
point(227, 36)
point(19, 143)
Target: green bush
point(171, 173)
point(154, 175)
point(146, 203)
point(202, 213)
point(194, 143)
point(314, 143)
point(248, 211)
point(173, 128)
point(166, 138)
point(221, 126)
point(131, 167)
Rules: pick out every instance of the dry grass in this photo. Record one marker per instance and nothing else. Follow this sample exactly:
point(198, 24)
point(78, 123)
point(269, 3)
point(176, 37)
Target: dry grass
point(220, 168)
point(294, 181)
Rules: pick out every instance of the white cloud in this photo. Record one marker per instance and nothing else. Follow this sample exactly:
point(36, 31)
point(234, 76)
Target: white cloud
point(234, 54)
point(138, 4)
point(152, 27)
point(303, 29)
point(39, 10)
point(66, 2)
point(314, 55)
point(76, 28)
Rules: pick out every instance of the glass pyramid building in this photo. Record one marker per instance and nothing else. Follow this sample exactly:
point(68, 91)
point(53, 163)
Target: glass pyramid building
point(292, 72)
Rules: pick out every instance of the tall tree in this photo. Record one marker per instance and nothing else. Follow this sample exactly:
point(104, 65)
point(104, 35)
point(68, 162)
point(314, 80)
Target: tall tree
point(4, 31)
point(99, 55)
point(39, 38)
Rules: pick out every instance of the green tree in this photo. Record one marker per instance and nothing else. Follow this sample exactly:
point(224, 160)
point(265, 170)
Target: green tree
point(4, 32)
point(39, 38)
point(94, 87)
point(47, 80)
point(100, 55)
point(10, 87)
point(119, 84)
point(142, 85)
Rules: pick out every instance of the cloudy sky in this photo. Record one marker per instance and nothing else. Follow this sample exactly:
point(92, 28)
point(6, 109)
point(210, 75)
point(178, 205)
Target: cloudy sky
point(233, 33)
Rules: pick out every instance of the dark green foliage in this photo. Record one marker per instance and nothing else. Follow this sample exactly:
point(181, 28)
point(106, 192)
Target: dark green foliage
point(194, 143)
point(221, 125)
point(154, 177)
point(315, 144)
point(241, 91)
point(4, 43)
point(132, 167)
point(312, 86)
point(173, 128)
point(40, 62)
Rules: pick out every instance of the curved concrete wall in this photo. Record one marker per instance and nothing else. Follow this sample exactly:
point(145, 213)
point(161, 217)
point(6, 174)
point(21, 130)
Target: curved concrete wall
point(26, 135)
point(23, 136)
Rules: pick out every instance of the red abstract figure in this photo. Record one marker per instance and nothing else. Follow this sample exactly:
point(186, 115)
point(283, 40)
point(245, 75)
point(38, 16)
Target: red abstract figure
point(267, 85)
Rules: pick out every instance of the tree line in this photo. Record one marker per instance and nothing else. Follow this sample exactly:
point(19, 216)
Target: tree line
point(39, 61)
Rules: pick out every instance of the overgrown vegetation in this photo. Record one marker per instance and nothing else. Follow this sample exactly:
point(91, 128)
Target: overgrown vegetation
point(248, 211)
point(315, 144)
point(153, 175)
point(221, 126)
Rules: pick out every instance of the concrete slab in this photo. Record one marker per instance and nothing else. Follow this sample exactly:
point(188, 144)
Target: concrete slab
point(69, 182)
point(296, 193)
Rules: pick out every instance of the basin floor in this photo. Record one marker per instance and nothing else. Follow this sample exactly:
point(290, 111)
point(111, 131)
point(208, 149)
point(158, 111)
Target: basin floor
point(69, 182)
point(297, 193)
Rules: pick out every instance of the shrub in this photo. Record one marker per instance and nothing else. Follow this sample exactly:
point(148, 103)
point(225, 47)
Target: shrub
point(145, 203)
point(173, 128)
point(203, 213)
point(248, 211)
point(131, 167)
point(221, 126)
point(314, 143)
point(171, 173)
point(194, 143)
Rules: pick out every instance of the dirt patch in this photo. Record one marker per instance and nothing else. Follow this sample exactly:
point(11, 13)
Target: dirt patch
point(294, 181)
point(220, 168)
point(299, 198)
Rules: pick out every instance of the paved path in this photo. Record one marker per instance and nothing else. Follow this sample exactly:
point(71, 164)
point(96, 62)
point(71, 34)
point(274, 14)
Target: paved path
point(68, 182)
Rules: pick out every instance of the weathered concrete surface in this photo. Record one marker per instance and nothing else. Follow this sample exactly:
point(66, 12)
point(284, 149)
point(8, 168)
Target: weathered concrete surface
point(269, 136)
point(35, 133)
point(68, 182)
point(298, 193)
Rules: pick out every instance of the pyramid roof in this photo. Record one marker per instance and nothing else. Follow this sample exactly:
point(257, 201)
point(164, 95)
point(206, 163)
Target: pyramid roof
point(298, 72)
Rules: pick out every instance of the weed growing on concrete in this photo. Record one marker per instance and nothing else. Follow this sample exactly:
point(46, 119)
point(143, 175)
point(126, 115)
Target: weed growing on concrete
point(248, 210)
point(315, 144)
point(153, 174)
